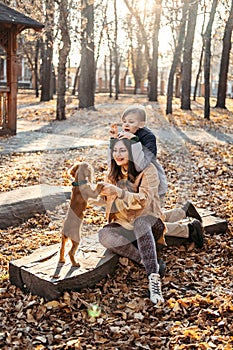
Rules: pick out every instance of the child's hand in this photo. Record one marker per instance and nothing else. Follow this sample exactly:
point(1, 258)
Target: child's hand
point(125, 135)
point(114, 131)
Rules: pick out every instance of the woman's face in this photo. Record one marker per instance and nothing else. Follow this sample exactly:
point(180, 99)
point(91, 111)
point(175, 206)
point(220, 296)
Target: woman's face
point(120, 154)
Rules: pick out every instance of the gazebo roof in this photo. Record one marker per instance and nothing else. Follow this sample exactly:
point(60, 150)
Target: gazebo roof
point(10, 17)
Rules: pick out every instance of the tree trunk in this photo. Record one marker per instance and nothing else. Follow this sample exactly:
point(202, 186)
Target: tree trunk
point(177, 83)
point(141, 29)
point(153, 92)
point(63, 54)
point(186, 77)
point(222, 85)
point(176, 58)
point(105, 73)
point(207, 38)
point(36, 68)
point(201, 59)
point(142, 37)
point(198, 74)
point(47, 56)
point(75, 80)
point(110, 73)
point(117, 71)
point(86, 85)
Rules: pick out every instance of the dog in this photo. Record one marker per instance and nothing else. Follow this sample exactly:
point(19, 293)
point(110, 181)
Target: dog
point(82, 190)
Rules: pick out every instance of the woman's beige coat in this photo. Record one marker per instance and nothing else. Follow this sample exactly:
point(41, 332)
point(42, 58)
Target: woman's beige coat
point(143, 201)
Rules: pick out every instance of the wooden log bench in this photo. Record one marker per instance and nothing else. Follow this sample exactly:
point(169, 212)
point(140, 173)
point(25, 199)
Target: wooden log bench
point(21, 204)
point(41, 273)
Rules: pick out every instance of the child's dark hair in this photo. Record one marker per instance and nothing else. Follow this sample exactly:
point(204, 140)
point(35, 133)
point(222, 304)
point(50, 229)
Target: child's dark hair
point(136, 109)
point(115, 175)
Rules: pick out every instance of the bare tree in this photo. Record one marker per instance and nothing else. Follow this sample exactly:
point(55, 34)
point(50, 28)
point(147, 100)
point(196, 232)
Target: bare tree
point(101, 25)
point(226, 49)
point(177, 56)
point(36, 65)
point(29, 41)
point(186, 76)
point(136, 53)
point(201, 58)
point(110, 44)
point(86, 86)
point(31, 50)
point(47, 53)
point(142, 35)
point(75, 80)
point(153, 73)
point(207, 39)
point(115, 49)
point(63, 54)
point(137, 62)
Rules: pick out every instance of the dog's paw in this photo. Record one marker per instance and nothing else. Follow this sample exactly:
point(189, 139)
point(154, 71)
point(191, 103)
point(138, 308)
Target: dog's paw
point(75, 264)
point(100, 186)
point(62, 260)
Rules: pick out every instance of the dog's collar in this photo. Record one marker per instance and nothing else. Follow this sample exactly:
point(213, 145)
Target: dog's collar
point(79, 183)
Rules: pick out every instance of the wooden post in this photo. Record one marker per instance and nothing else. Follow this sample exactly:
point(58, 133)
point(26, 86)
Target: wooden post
point(12, 80)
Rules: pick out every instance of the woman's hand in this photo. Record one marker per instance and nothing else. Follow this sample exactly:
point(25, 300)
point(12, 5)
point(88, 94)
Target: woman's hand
point(111, 190)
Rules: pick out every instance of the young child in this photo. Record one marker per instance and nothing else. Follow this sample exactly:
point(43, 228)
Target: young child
point(133, 127)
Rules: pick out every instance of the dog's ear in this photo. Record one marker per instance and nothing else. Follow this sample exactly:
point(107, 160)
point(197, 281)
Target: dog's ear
point(88, 172)
point(73, 169)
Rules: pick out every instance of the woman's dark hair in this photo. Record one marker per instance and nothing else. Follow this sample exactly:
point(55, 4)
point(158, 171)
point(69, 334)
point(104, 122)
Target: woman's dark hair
point(115, 175)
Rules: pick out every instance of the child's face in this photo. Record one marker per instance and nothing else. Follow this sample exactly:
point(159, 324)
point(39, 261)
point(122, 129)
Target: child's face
point(131, 123)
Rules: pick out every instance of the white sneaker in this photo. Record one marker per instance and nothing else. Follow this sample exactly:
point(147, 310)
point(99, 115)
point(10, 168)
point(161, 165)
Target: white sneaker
point(155, 288)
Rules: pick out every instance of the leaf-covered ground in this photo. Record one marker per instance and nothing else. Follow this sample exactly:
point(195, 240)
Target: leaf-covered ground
point(116, 313)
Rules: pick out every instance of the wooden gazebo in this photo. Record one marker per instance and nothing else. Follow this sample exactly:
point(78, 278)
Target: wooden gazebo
point(11, 24)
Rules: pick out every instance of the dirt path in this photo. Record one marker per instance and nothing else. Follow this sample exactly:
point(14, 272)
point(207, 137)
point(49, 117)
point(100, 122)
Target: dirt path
point(83, 127)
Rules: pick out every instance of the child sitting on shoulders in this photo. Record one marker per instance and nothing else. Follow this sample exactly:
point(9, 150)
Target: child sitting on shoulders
point(133, 127)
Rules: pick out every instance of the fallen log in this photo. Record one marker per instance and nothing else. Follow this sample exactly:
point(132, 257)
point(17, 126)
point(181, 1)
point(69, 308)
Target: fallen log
point(21, 204)
point(41, 274)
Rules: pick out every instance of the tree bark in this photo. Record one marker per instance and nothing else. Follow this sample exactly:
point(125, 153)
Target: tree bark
point(36, 67)
point(153, 92)
point(75, 80)
point(110, 48)
point(116, 59)
point(63, 54)
point(47, 56)
point(142, 38)
point(110, 72)
point(207, 39)
point(224, 66)
point(186, 77)
point(201, 58)
point(86, 85)
point(176, 58)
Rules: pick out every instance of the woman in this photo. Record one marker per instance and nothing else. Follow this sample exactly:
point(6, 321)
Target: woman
point(133, 213)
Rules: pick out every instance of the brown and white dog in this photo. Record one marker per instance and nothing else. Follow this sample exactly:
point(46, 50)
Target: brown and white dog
point(82, 190)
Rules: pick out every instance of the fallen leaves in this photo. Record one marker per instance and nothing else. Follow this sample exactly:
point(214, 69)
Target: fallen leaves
point(117, 313)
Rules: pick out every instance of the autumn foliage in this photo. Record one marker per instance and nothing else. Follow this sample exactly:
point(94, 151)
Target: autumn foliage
point(117, 313)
